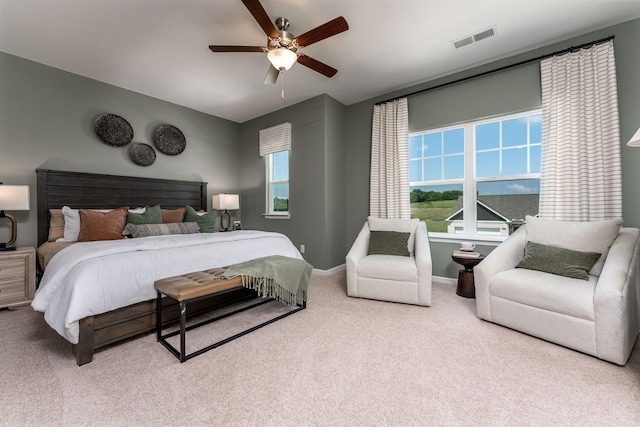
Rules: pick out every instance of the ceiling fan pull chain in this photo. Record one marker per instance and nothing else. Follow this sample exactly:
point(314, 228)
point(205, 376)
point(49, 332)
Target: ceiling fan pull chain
point(282, 83)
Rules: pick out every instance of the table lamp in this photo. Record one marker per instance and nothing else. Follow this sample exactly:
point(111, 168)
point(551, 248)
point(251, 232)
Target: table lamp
point(225, 202)
point(12, 198)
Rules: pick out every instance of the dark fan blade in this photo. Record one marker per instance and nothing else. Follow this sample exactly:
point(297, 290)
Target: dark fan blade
point(261, 16)
point(272, 75)
point(317, 65)
point(322, 32)
point(218, 48)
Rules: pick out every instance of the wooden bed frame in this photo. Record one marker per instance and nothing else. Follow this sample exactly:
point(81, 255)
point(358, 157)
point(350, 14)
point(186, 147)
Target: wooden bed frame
point(94, 191)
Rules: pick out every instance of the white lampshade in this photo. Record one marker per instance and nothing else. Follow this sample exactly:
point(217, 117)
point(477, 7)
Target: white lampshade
point(635, 139)
point(282, 58)
point(225, 201)
point(14, 197)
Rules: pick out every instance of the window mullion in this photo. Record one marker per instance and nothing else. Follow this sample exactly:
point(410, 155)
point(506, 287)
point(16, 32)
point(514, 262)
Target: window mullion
point(268, 177)
point(422, 156)
point(469, 188)
point(528, 145)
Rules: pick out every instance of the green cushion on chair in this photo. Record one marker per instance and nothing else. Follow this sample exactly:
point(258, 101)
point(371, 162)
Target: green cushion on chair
point(560, 261)
point(388, 243)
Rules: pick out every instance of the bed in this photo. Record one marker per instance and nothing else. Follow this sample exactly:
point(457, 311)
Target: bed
point(96, 294)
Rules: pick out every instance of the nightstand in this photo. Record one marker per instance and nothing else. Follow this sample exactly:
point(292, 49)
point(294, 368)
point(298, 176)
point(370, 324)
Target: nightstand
point(17, 277)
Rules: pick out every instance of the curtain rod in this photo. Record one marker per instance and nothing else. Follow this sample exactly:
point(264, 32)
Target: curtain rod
point(506, 67)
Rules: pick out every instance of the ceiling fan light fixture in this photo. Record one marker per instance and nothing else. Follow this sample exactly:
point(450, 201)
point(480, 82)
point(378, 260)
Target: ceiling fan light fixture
point(282, 58)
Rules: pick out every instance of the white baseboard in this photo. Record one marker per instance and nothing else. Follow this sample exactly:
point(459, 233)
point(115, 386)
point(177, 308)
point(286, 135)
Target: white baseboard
point(331, 270)
point(439, 279)
point(445, 280)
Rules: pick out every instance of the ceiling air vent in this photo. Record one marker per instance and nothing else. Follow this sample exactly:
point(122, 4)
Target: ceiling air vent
point(463, 42)
point(484, 35)
point(474, 38)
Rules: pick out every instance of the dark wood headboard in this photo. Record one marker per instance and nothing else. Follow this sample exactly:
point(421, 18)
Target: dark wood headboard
point(93, 191)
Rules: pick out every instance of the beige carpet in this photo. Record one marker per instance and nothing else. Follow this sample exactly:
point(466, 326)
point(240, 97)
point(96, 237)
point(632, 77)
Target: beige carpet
point(341, 362)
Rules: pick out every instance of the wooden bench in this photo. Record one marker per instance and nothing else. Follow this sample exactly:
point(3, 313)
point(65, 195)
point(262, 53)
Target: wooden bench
point(195, 286)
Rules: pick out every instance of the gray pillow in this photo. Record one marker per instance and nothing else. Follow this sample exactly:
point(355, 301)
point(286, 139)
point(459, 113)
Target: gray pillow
point(388, 243)
point(559, 261)
point(146, 230)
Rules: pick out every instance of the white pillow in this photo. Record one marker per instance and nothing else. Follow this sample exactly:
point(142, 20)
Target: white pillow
point(71, 225)
point(396, 224)
point(596, 236)
point(72, 222)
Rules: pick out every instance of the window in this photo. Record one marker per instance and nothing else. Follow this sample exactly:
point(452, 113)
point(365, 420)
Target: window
point(477, 178)
point(277, 168)
point(275, 144)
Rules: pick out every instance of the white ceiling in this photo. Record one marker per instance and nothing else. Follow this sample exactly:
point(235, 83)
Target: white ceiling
point(160, 47)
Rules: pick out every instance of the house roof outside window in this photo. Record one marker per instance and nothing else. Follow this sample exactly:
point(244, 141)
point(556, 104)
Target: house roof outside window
point(512, 208)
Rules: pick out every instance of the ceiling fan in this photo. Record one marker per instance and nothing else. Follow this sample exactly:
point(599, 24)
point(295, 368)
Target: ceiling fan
point(283, 47)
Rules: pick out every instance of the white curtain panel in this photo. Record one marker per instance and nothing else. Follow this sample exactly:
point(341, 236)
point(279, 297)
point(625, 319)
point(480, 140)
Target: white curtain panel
point(389, 186)
point(581, 171)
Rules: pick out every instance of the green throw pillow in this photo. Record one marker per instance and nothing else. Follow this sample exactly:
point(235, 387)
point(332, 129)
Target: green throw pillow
point(560, 261)
point(207, 221)
point(388, 243)
point(152, 215)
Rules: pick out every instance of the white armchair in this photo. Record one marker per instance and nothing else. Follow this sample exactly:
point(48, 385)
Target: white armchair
point(598, 316)
point(404, 279)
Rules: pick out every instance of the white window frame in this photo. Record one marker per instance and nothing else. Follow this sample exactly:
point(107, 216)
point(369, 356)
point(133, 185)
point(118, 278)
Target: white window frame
point(270, 212)
point(273, 140)
point(469, 182)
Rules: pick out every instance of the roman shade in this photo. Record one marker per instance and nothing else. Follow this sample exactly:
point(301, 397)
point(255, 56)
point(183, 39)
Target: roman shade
point(276, 138)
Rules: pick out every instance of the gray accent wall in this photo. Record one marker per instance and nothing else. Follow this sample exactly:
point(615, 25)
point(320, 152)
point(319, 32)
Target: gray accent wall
point(317, 174)
point(46, 121)
point(514, 90)
point(335, 167)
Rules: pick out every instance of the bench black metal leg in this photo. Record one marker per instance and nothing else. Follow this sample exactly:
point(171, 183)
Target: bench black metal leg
point(158, 316)
point(183, 332)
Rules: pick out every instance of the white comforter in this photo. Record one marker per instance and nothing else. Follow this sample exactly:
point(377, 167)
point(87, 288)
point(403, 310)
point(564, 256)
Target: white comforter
point(95, 277)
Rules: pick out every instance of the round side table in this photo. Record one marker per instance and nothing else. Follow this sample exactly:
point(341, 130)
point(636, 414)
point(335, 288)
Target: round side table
point(466, 287)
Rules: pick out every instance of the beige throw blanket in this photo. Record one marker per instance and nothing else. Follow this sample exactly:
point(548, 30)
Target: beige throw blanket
point(281, 278)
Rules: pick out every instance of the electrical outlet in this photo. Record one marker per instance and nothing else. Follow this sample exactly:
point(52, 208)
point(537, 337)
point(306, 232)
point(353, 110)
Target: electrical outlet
point(302, 249)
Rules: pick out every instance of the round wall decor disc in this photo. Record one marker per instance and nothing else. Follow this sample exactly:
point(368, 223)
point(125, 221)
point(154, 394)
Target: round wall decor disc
point(169, 140)
point(142, 154)
point(113, 130)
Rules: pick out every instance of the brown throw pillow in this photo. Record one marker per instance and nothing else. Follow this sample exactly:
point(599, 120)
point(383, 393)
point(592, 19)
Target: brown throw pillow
point(102, 226)
point(172, 215)
point(56, 225)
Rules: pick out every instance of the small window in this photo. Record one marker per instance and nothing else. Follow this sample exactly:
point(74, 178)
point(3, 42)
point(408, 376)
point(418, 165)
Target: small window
point(277, 168)
point(275, 145)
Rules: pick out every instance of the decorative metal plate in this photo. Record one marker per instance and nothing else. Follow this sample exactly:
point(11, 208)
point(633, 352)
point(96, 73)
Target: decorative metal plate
point(113, 130)
point(142, 154)
point(169, 140)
